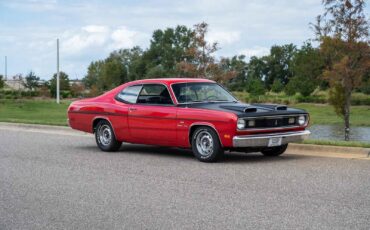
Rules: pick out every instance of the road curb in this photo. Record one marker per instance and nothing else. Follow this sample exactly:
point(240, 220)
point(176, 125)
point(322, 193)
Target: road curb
point(34, 126)
point(328, 151)
point(48, 129)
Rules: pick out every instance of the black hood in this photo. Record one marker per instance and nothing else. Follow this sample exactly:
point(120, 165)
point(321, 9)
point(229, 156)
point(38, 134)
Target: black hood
point(246, 110)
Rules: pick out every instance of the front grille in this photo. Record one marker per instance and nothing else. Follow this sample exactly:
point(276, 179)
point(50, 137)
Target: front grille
point(271, 122)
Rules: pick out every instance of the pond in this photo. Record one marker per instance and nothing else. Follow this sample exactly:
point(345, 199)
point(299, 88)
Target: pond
point(336, 132)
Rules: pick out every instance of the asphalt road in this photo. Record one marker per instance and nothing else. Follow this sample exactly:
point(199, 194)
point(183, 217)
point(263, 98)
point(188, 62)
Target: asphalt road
point(51, 180)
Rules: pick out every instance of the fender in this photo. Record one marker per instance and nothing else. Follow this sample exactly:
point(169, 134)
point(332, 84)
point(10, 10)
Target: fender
point(104, 118)
point(203, 124)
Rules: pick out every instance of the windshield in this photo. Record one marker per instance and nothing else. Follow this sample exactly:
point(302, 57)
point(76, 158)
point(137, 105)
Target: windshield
point(201, 92)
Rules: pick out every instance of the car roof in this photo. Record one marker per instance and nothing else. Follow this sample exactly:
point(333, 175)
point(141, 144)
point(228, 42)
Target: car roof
point(169, 81)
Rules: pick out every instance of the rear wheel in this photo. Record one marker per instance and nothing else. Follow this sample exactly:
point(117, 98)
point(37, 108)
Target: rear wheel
point(105, 138)
point(274, 151)
point(205, 145)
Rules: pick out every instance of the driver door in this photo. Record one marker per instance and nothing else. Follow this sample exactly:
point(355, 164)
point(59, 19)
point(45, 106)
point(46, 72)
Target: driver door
point(152, 119)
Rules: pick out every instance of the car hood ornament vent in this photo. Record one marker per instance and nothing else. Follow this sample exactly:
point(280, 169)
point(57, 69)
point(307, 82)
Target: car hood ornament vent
point(271, 106)
point(240, 108)
point(250, 110)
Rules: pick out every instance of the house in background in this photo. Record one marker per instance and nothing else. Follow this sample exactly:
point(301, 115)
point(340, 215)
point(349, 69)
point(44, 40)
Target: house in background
point(15, 83)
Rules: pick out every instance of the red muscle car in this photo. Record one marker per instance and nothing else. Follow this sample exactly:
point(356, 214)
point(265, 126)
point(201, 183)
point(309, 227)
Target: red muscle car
point(188, 113)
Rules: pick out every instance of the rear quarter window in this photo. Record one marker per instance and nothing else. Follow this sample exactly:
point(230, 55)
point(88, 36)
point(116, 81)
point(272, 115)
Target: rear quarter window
point(129, 94)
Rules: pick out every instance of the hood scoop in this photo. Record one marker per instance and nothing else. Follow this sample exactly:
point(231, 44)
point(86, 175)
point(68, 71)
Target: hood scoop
point(281, 107)
point(272, 106)
point(245, 109)
point(250, 110)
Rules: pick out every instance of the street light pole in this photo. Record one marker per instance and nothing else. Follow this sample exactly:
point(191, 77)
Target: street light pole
point(58, 99)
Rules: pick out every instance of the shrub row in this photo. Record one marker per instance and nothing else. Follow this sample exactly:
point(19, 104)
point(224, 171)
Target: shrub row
point(15, 94)
point(318, 99)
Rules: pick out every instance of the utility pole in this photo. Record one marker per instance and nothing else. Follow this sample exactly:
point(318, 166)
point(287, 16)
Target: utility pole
point(58, 100)
point(6, 68)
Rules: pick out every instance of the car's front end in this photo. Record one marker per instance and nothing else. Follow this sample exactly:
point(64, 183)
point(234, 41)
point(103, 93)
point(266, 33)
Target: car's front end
point(276, 129)
point(217, 120)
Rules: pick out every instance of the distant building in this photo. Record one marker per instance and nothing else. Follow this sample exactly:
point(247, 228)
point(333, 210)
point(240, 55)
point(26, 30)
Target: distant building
point(75, 81)
point(15, 83)
point(41, 82)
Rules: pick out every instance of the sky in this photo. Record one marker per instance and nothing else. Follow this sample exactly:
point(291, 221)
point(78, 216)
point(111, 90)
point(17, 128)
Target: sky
point(89, 30)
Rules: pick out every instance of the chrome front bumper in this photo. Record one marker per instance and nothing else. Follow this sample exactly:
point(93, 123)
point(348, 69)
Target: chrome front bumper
point(262, 140)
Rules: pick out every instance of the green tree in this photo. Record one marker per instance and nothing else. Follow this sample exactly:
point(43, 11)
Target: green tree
point(156, 72)
point(121, 66)
point(31, 81)
point(343, 31)
point(200, 60)
point(307, 67)
point(2, 83)
point(63, 83)
point(113, 74)
point(94, 73)
point(257, 68)
point(236, 68)
point(168, 48)
point(278, 64)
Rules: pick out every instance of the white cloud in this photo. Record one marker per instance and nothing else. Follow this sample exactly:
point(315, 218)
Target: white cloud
point(123, 38)
point(257, 51)
point(95, 29)
point(97, 37)
point(33, 5)
point(223, 37)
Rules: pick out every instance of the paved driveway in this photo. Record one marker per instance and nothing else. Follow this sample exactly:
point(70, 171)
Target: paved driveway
point(60, 180)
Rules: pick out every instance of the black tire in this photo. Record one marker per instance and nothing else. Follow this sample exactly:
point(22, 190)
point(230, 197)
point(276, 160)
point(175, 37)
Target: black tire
point(107, 142)
point(211, 143)
point(274, 151)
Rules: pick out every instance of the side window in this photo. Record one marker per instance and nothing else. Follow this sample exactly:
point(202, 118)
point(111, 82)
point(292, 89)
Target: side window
point(154, 94)
point(129, 94)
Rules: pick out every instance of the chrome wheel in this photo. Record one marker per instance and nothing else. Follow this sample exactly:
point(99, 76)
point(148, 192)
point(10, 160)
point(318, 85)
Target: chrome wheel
point(204, 143)
point(105, 135)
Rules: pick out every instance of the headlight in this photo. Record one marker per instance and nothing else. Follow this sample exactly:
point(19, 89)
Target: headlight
point(241, 124)
point(251, 123)
point(301, 120)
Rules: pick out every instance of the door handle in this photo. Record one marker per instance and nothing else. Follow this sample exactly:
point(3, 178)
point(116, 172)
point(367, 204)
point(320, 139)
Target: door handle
point(132, 109)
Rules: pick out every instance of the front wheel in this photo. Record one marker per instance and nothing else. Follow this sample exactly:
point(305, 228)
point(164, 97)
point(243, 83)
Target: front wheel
point(105, 138)
point(205, 145)
point(274, 151)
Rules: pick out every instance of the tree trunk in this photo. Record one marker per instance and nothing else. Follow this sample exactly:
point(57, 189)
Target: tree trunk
point(347, 107)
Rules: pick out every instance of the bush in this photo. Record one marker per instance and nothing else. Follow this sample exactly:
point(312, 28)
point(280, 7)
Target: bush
point(290, 89)
point(311, 99)
point(366, 87)
point(29, 93)
point(256, 87)
point(277, 86)
point(65, 94)
point(360, 99)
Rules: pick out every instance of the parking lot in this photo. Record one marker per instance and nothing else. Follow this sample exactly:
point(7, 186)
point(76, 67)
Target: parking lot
point(60, 180)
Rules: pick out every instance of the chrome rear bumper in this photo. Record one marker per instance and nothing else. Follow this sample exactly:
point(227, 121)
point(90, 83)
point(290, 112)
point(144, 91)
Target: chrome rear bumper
point(262, 140)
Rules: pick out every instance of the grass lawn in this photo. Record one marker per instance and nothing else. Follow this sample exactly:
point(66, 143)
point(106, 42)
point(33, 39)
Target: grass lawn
point(324, 114)
point(34, 111)
point(338, 143)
